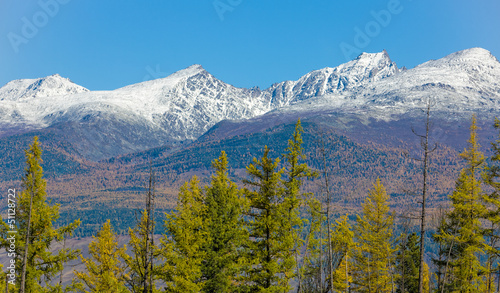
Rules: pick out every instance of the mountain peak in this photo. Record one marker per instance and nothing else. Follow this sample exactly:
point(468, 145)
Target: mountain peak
point(188, 72)
point(52, 85)
point(473, 53)
point(468, 58)
point(369, 66)
point(168, 81)
point(195, 67)
point(375, 57)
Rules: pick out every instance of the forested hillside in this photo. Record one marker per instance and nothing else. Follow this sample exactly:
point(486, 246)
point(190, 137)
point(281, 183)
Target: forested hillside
point(291, 219)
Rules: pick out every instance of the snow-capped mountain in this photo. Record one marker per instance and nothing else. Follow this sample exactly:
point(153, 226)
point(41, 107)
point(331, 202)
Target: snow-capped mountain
point(463, 81)
point(183, 105)
point(364, 70)
point(460, 83)
point(190, 101)
point(54, 85)
point(187, 103)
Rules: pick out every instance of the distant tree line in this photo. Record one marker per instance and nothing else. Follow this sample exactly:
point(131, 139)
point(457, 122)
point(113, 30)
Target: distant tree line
point(268, 235)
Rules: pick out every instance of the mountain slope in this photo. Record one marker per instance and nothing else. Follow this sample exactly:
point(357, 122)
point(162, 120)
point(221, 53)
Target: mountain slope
point(53, 85)
point(366, 68)
point(457, 85)
point(183, 106)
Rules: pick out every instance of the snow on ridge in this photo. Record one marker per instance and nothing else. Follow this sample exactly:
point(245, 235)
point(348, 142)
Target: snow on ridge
point(53, 85)
point(168, 81)
point(461, 82)
point(188, 102)
point(366, 68)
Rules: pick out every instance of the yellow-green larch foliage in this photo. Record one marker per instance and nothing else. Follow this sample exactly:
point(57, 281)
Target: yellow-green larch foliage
point(42, 265)
point(268, 270)
point(426, 279)
point(4, 278)
point(182, 247)
point(295, 172)
point(373, 252)
point(105, 269)
point(224, 231)
point(462, 228)
point(202, 248)
point(342, 247)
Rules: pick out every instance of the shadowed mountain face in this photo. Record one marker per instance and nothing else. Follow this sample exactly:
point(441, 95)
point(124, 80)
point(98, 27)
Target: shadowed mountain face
point(98, 144)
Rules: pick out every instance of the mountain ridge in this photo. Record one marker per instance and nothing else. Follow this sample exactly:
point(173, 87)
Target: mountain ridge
point(183, 106)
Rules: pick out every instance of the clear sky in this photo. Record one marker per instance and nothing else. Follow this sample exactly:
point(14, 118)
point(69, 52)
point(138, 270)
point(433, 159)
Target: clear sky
point(104, 45)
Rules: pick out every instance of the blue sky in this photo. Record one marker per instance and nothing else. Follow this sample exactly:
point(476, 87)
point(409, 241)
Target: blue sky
point(104, 45)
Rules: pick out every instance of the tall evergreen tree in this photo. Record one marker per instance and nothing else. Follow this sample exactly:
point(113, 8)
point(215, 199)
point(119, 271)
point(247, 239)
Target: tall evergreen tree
point(203, 251)
point(462, 230)
point(36, 234)
point(182, 250)
point(105, 270)
point(295, 172)
point(266, 250)
point(223, 224)
point(373, 253)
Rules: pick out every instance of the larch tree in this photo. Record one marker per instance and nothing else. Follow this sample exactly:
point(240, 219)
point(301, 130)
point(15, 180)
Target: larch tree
point(202, 246)
point(34, 223)
point(224, 231)
point(182, 248)
point(105, 269)
point(373, 252)
point(342, 245)
point(462, 230)
point(295, 172)
point(270, 265)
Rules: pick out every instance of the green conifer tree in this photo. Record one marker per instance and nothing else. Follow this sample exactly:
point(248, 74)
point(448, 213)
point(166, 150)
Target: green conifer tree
point(462, 231)
point(203, 251)
point(407, 264)
point(295, 172)
point(36, 264)
point(269, 269)
point(182, 247)
point(373, 252)
point(223, 225)
point(105, 270)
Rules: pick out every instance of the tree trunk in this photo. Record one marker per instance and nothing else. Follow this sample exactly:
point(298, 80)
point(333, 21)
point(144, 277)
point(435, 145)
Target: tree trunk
point(26, 242)
point(424, 197)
